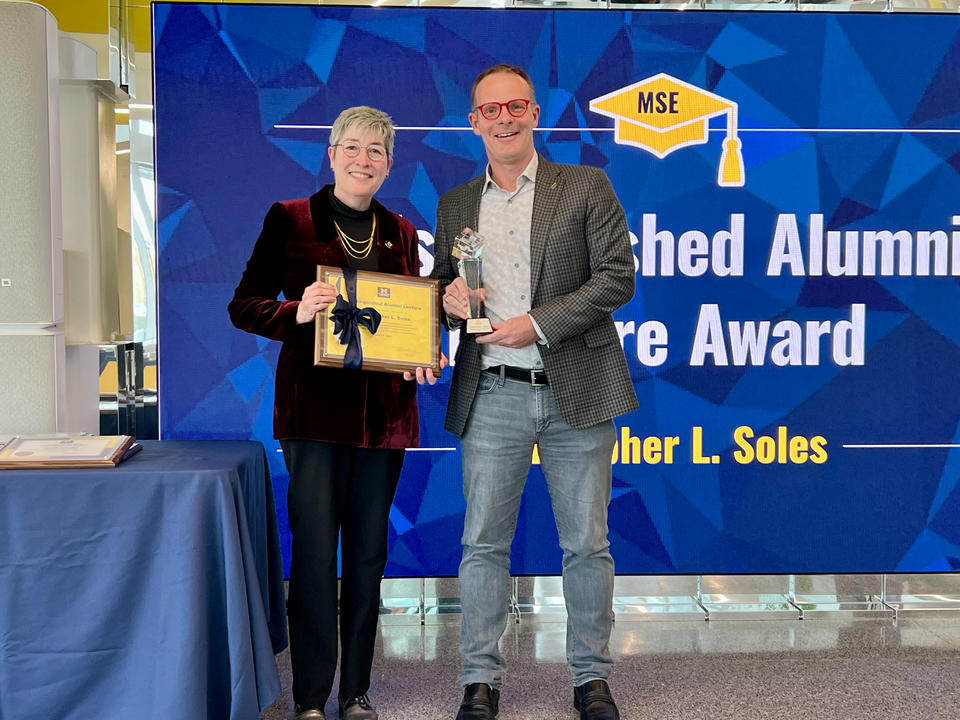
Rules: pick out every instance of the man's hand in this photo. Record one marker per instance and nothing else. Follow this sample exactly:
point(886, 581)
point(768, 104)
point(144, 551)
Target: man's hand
point(316, 298)
point(516, 332)
point(456, 299)
point(425, 375)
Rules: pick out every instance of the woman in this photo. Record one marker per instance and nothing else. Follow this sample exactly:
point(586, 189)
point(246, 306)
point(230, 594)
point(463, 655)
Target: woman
point(343, 432)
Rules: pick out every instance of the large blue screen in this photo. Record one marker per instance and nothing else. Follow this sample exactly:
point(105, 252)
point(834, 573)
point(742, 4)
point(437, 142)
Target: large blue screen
point(794, 337)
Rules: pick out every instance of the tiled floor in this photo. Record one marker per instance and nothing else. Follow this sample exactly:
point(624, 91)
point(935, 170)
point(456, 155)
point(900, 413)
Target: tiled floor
point(870, 669)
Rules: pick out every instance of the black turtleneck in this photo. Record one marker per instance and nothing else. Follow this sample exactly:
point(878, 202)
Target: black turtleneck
point(357, 224)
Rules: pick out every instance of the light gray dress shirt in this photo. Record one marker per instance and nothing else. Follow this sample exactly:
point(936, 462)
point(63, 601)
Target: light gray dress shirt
point(504, 222)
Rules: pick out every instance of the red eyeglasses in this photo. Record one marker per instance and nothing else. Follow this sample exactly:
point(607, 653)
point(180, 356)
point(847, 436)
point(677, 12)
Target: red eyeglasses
point(492, 110)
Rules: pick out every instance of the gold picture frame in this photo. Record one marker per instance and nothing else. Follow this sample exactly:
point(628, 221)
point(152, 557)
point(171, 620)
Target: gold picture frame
point(409, 333)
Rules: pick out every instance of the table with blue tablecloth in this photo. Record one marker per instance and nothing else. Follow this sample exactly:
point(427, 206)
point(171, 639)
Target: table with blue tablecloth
point(150, 590)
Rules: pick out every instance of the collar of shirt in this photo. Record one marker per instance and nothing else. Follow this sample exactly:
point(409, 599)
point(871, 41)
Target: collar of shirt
point(529, 175)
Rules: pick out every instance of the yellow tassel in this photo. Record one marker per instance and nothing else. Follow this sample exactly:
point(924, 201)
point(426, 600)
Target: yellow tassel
point(731, 164)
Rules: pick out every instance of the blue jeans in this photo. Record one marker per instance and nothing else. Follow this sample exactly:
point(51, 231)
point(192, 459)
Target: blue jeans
point(507, 418)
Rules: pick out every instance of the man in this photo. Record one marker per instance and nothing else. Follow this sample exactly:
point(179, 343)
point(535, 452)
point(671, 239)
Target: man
point(557, 262)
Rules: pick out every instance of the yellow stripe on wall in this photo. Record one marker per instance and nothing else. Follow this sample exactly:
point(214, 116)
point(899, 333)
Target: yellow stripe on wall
point(108, 378)
point(140, 20)
point(80, 16)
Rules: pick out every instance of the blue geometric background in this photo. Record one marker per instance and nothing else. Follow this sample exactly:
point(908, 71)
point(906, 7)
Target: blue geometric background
point(854, 117)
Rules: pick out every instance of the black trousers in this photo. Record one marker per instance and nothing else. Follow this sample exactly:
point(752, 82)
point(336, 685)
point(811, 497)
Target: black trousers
point(346, 491)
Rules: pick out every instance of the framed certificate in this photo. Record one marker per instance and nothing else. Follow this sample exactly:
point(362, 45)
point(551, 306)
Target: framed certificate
point(409, 332)
point(71, 451)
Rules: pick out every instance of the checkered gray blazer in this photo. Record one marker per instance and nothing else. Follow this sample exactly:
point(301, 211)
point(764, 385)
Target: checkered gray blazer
point(581, 270)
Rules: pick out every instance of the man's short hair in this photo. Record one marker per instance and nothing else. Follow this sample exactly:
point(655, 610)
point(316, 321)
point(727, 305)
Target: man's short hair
point(501, 68)
point(364, 117)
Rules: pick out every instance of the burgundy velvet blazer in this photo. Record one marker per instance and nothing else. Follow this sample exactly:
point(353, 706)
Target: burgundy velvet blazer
point(356, 407)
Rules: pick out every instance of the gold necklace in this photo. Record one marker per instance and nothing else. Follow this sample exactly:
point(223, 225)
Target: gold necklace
point(358, 249)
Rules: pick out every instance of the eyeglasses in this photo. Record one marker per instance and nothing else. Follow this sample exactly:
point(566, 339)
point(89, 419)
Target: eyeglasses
point(492, 110)
point(376, 153)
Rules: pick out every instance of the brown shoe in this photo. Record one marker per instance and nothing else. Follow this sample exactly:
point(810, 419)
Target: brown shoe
point(594, 701)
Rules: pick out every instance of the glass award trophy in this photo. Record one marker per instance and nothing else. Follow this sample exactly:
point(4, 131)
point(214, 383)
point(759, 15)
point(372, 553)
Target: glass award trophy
point(467, 248)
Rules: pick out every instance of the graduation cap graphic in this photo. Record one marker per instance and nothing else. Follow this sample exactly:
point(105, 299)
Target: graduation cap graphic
point(661, 114)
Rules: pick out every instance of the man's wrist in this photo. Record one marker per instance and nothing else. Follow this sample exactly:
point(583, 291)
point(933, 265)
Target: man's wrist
point(536, 326)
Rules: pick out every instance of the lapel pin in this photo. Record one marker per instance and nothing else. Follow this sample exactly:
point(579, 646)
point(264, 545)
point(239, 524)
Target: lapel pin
point(554, 186)
point(388, 244)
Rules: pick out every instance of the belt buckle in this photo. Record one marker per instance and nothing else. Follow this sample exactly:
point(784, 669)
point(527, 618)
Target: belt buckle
point(533, 378)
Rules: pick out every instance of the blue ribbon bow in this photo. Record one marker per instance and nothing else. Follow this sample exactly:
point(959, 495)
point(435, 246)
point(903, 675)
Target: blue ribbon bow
point(347, 319)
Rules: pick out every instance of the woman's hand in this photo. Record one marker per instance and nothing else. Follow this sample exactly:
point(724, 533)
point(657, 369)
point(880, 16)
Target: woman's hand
point(425, 375)
point(315, 299)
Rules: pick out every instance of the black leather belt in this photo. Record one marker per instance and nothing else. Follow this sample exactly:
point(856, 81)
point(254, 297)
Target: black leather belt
point(534, 377)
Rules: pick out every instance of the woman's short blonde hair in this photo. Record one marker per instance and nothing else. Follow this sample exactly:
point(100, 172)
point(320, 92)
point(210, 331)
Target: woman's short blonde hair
point(364, 117)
